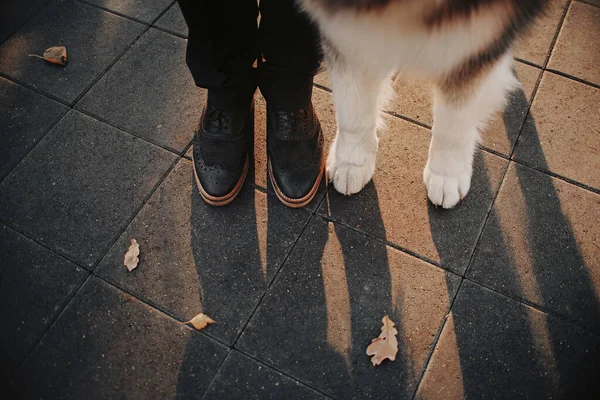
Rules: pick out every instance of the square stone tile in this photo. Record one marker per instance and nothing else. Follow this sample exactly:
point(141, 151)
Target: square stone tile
point(173, 21)
point(394, 206)
point(241, 377)
point(535, 45)
point(561, 133)
point(323, 106)
point(492, 346)
point(108, 344)
point(145, 11)
point(541, 243)
point(14, 14)
point(80, 186)
point(574, 51)
point(198, 258)
point(35, 285)
point(326, 306)
point(150, 92)
point(25, 117)
point(413, 100)
point(93, 38)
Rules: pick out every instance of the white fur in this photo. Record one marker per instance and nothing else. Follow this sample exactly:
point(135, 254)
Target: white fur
point(374, 45)
point(456, 128)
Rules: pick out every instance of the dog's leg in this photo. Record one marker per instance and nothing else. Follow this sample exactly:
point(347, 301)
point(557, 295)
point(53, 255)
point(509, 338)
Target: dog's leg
point(358, 94)
point(460, 111)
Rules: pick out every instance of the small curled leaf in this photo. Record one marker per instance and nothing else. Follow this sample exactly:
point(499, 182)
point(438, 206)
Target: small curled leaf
point(131, 257)
point(200, 321)
point(54, 55)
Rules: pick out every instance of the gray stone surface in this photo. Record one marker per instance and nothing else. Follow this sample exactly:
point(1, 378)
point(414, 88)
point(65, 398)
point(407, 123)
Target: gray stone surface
point(492, 346)
point(540, 244)
point(25, 117)
point(150, 92)
point(93, 38)
point(80, 186)
point(108, 344)
point(173, 21)
point(35, 285)
point(241, 377)
point(197, 258)
point(326, 306)
point(15, 13)
point(143, 10)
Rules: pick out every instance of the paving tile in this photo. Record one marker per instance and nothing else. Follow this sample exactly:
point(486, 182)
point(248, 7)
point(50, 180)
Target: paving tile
point(494, 347)
point(150, 92)
point(173, 21)
point(80, 185)
point(241, 377)
point(35, 285)
point(326, 305)
point(198, 258)
point(326, 113)
point(93, 38)
point(593, 2)
point(14, 14)
point(561, 134)
point(108, 344)
point(574, 51)
point(394, 206)
point(541, 243)
point(25, 116)
point(413, 99)
point(536, 44)
point(146, 11)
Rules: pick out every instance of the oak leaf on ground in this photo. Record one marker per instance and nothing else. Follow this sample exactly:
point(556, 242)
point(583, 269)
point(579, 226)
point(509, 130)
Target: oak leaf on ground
point(386, 345)
point(131, 259)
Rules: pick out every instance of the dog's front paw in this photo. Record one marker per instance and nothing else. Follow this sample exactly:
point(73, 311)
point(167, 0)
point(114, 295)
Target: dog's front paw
point(446, 191)
point(349, 167)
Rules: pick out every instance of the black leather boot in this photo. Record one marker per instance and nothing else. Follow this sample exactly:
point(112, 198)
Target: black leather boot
point(221, 151)
point(295, 150)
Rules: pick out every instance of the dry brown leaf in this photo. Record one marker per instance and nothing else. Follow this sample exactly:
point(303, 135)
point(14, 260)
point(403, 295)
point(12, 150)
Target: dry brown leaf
point(386, 345)
point(200, 321)
point(54, 55)
point(131, 257)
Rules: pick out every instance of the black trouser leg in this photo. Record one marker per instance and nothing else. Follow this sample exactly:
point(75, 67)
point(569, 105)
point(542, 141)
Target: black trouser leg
point(222, 46)
point(290, 47)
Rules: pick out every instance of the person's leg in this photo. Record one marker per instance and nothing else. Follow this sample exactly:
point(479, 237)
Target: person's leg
point(290, 57)
point(220, 54)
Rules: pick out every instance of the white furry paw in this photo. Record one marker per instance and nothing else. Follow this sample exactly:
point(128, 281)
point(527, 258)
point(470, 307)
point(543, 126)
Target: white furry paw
point(350, 168)
point(446, 191)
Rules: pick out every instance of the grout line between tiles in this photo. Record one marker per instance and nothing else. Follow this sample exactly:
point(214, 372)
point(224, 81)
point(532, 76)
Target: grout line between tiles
point(557, 33)
point(537, 307)
point(436, 340)
point(125, 15)
point(148, 140)
point(137, 211)
point(214, 378)
point(50, 325)
point(572, 77)
point(259, 302)
point(282, 372)
point(60, 118)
